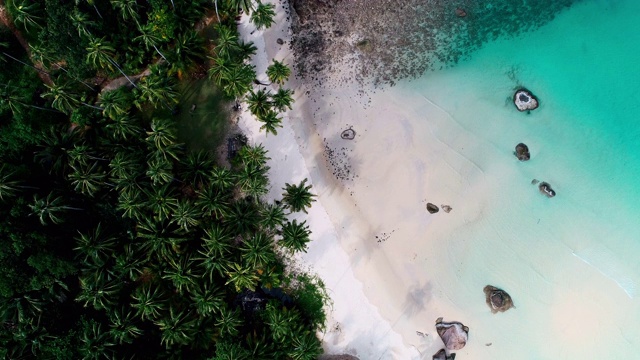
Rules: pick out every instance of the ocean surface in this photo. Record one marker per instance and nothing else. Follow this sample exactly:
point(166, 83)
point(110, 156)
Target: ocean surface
point(571, 263)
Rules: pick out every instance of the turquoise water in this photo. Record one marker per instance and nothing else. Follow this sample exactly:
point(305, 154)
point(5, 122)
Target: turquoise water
point(584, 66)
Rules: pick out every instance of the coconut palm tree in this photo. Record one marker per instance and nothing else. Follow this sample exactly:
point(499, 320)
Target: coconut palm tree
point(157, 239)
point(94, 342)
point(123, 326)
point(156, 89)
point(253, 156)
point(272, 217)
point(226, 43)
point(82, 23)
point(278, 72)
point(99, 291)
point(207, 299)
point(124, 127)
point(53, 154)
point(159, 170)
point(213, 202)
point(149, 301)
point(229, 322)
point(305, 346)
point(162, 134)
point(262, 16)
point(221, 179)
point(217, 241)
point(49, 209)
point(271, 122)
point(237, 81)
point(87, 179)
point(243, 217)
point(129, 10)
point(210, 266)
point(128, 263)
point(196, 167)
point(161, 202)
point(63, 99)
point(100, 53)
point(282, 99)
point(219, 68)
point(258, 102)
point(188, 48)
point(131, 205)
point(281, 321)
point(115, 103)
point(96, 245)
point(257, 251)
point(181, 273)
point(298, 197)
point(8, 186)
point(178, 328)
point(26, 14)
point(149, 38)
point(245, 6)
point(186, 215)
point(125, 164)
point(295, 236)
point(242, 277)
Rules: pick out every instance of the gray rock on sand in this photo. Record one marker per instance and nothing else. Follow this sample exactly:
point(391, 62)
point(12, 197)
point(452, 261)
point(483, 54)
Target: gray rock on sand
point(432, 208)
point(525, 100)
point(348, 134)
point(546, 189)
point(442, 355)
point(453, 334)
point(446, 208)
point(498, 299)
point(522, 152)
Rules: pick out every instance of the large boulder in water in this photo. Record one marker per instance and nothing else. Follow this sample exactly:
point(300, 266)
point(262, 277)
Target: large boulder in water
point(522, 152)
point(442, 355)
point(524, 100)
point(453, 334)
point(497, 299)
point(546, 189)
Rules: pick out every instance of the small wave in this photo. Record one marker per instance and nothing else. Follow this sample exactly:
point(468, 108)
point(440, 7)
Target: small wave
point(609, 265)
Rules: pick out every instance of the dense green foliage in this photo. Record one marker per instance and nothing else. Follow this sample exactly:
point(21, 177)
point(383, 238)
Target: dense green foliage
point(116, 241)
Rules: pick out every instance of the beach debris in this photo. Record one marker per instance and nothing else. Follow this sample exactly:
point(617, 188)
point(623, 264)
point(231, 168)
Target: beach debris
point(446, 208)
point(460, 12)
point(488, 344)
point(525, 100)
point(546, 189)
point(432, 208)
point(442, 355)
point(453, 334)
point(497, 299)
point(534, 181)
point(279, 41)
point(348, 134)
point(522, 152)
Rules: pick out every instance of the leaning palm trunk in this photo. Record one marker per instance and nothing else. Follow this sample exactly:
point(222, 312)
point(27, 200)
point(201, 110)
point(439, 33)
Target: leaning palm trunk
point(158, 51)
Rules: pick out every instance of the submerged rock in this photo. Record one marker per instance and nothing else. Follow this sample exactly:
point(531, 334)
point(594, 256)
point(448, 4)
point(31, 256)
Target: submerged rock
point(546, 189)
point(348, 134)
point(497, 299)
point(446, 208)
point(460, 12)
point(432, 208)
point(522, 152)
point(442, 355)
point(524, 100)
point(453, 334)
point(534, 181)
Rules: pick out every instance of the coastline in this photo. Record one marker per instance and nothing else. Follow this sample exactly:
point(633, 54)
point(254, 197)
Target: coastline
point(421, 142)
point(354, 325)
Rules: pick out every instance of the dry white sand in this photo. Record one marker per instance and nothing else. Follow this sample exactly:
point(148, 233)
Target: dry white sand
point(390, 267)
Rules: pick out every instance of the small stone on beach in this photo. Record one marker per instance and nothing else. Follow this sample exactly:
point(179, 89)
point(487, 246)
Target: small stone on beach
point(432, 208)
point(453, 334)
point(546, 189)
point(446, 208)
point(522, 152)
point(497, 299)
point(348, 134)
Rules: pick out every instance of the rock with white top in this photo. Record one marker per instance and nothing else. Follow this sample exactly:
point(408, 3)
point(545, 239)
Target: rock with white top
point(453, 334)
point(525, 100)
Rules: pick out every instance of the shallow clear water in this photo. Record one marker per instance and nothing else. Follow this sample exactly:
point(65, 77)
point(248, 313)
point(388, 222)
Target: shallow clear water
point(578, 252)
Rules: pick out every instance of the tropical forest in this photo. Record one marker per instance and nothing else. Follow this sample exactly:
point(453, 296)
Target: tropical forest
point(125, 234)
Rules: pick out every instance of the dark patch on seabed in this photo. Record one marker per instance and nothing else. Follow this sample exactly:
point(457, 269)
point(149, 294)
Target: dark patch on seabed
point(387, 40)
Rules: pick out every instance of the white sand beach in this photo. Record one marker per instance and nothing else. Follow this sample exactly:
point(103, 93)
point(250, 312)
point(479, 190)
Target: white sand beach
point(392, 268)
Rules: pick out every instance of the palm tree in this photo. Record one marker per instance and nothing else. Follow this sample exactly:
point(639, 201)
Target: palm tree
point(162, 134)
point(305, 346)
point(181, 273)
point(82, 22)
point(96, 246)
point(298, 197)
point(295, 236)
point(160, 170)
point(125, 164)
point(196, 167)
point(94, 342)
point(123, 326)
point(100, 53)
point(237, 81)
point(8, 187)
point(271, 122)
point(243, 217)
point(178, 328)
point(187, 49)
point(54, 151)
point(257, 251)
point(162, 202)
point(149, 38)
point(157, 239)
point(149, 302)
point(272, 216)
point(278, 72)
point(242, 277)
point(186, 215)
point(253, 156)
point(227, 42)
point(62, 97)
point(207, 299)
point(128, 263)
point(87, 180)
point(229, 322)
point(229, 350)
point(262, 16)
point(220, 67)
point(131, 205)
point(258, 103)
point(115, 103)
point(282, 99)
point(222, 179)
point(99, 291)
point(124, 127)
point(25, 14)
point(156, 89)
point(213, 202)
point(281, 321)
point(129, 10)
point(217, 241)
point(49, 209)
point(245, 6)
